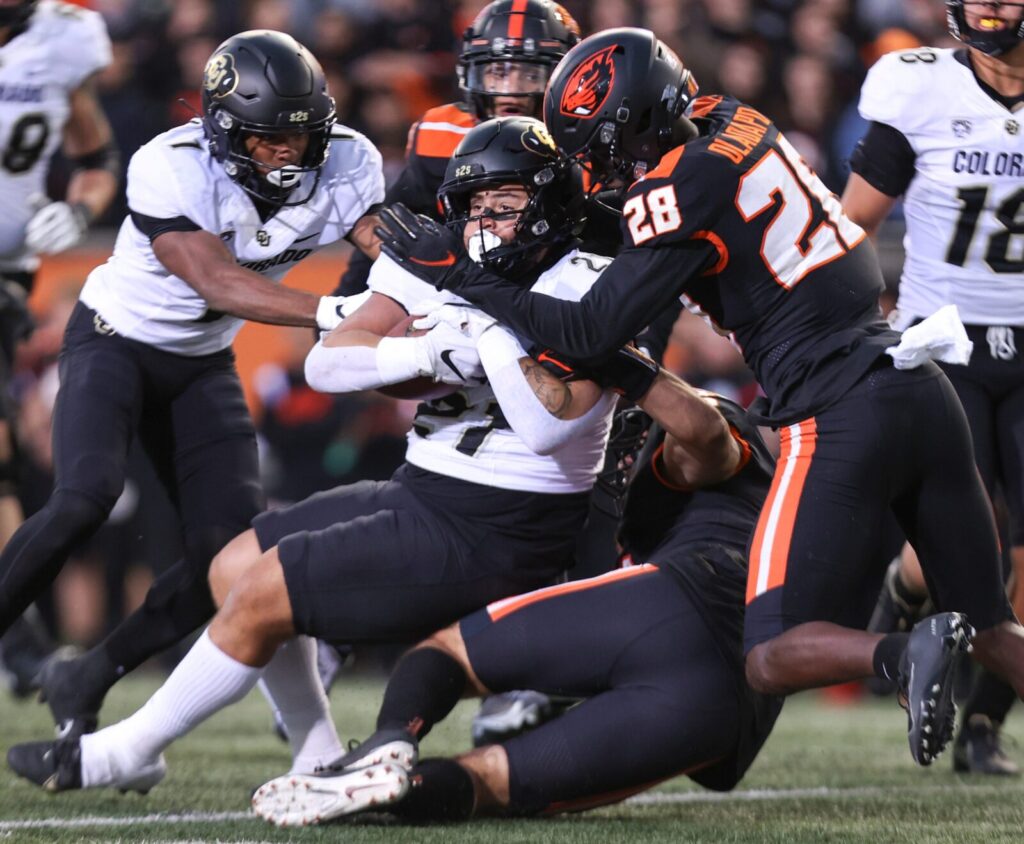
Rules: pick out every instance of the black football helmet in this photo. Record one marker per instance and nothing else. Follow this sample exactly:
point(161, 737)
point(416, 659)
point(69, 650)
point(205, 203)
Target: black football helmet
point(995, 42)
point(17, 14)
point(614, 100)
point(516, 150)
point(528, 36)
point(266, 83)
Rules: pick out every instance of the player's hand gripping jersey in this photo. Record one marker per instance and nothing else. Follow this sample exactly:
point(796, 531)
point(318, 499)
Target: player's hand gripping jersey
point(737, 224)
point(174, 184)
point(465, 434)
point(61, 47)
point(964, 192)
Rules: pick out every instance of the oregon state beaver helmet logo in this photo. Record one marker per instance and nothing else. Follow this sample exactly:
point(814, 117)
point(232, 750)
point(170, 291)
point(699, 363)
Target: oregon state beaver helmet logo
point(589, 86)
point(220, 77)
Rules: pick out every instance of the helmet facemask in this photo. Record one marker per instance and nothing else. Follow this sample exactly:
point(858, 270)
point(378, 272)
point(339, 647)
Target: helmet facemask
point(283, 186)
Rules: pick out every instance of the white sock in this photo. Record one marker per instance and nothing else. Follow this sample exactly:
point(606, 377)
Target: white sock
point(206, 680)
point(292, 684)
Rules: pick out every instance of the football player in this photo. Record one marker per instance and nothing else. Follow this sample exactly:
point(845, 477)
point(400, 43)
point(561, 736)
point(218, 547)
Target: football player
point(722, 211)
point(221, 208)
point(655, 649)
point(507, 56)
point(49, 54)
point(945, 134)
point(490, 499)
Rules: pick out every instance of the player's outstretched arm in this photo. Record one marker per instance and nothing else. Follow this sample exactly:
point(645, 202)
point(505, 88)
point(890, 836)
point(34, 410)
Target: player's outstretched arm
point(867, 206)
point(206, 265)
point(699, 447)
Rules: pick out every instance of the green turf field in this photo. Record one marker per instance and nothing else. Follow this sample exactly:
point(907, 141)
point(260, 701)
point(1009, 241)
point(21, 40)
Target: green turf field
point(827, 774)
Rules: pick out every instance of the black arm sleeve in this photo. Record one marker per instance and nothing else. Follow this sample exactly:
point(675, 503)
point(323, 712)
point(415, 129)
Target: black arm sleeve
point(635, 289)
point(153, 227)
point(884, 159)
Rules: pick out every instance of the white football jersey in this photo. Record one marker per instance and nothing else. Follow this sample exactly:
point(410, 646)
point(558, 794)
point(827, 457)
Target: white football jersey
point(174, 175)
point(62, 46)
point(965, 205)
point(465, 435)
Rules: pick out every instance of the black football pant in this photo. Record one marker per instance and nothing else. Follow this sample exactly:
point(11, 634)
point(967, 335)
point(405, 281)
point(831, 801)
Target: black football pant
point(190, 416)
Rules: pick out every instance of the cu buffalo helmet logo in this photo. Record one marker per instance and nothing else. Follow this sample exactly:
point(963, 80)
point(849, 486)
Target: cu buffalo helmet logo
point(220, 77)
point(589, 86)
point(537, 139)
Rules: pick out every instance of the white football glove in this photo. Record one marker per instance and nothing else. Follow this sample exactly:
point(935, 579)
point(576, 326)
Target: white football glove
point(448, 354)
point(332, 310)
point(55, 227)
point(469, 321)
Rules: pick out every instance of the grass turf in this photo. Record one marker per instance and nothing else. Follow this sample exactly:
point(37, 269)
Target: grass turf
point(827, 774)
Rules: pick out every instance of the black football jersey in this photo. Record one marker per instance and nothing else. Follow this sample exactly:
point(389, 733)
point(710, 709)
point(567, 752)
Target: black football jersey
point(657, 515)
point(736, 224)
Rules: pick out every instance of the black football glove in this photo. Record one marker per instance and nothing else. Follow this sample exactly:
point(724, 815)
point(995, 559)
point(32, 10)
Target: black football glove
point(427, 249)
point(629, 372)
point(562, 367)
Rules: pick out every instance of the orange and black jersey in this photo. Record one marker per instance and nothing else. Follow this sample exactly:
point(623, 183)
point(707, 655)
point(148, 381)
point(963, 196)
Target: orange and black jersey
point(658, 514)
point(736, 224)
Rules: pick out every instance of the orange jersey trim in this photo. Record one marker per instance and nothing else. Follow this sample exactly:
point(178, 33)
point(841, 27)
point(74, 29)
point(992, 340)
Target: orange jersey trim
point(769, 551)
point(702, 105)
point(720, 248)
point(499, 609)
point(667, 164)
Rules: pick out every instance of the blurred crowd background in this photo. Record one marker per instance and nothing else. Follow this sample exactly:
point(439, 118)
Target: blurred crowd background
point(799, 61)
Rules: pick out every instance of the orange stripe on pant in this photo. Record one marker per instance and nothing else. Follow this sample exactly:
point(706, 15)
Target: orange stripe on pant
point(770, 548)
point(506, 606)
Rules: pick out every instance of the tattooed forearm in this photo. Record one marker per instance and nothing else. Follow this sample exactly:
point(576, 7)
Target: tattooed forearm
point(552, 393)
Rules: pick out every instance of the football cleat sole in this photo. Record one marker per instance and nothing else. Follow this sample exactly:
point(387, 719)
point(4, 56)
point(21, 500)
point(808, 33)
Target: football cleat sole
point(936, 646)
point(301, 800)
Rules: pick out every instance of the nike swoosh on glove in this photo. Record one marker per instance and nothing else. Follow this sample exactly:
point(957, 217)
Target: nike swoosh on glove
point(452, 356)
point(424, 247)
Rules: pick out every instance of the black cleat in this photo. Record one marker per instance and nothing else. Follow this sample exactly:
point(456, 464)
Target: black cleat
point(64, 684)
point(926, 678)
point(391, 747)
point(978, 750)
point(52, 765)
point(24, 650)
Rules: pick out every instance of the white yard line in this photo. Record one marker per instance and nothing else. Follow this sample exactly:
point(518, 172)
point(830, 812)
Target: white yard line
point(649, 799)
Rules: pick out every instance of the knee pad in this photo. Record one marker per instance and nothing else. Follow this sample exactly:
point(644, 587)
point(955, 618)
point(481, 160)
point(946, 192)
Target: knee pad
point(76, 512)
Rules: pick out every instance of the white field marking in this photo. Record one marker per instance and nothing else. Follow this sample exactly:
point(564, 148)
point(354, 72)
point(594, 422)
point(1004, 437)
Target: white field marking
point(659, 798)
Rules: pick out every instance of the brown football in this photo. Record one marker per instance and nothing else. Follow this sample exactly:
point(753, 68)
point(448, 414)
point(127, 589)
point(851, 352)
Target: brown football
point(415, 389)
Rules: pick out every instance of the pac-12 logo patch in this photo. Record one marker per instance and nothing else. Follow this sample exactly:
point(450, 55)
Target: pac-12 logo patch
point(589, 86)
point(961, 128)
point(220, 77)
